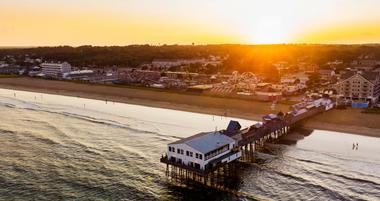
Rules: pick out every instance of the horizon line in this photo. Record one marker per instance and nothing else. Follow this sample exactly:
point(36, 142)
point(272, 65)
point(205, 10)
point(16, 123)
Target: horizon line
point(176, 44)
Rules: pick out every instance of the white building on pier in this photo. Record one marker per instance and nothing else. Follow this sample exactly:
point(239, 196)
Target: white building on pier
point(203, 150)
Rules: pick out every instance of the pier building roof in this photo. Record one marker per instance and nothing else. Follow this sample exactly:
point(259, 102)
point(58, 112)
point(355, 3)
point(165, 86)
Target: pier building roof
point(206, 141)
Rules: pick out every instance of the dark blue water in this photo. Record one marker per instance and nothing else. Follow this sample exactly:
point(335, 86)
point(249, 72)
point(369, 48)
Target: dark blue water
point(64, 148)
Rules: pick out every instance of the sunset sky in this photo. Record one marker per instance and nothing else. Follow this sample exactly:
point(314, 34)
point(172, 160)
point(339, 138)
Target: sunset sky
point(123, 22)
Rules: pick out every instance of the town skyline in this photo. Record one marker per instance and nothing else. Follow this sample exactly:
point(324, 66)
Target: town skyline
point(101, 23)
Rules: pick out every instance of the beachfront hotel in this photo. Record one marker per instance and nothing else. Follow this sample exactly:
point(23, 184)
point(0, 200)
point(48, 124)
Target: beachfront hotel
point(55, 70)
point(359, 86)
point(203, 151)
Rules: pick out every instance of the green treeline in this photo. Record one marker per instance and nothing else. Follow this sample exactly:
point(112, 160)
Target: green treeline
point(238, 57)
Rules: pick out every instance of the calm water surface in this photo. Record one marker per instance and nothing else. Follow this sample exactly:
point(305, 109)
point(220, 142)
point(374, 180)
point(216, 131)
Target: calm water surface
point(68, 148)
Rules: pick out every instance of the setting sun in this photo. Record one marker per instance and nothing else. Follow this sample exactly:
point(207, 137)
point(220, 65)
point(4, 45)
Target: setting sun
point(270, 30)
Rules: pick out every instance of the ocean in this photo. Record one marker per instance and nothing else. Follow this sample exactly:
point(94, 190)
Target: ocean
point(69, 148)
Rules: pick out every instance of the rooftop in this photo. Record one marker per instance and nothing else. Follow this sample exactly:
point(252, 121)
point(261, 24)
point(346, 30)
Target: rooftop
point(370, 76)
point(206, 141)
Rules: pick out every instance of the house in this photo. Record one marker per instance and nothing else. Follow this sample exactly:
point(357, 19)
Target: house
point(359, 86)
point(326, 74)
point(365, 63)
point(266, 92)
point(291, 84)
point(204, 150)
point(268, 95)
point(300, 77)
point(307, 67)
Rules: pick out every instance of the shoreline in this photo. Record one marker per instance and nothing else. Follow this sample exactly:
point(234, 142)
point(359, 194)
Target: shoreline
point(350, 121)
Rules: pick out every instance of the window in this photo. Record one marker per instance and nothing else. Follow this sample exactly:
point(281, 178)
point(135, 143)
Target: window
point(182, 151)
point(187, 153)
point(217, 152)
point(173, 149)
point(191, 154)
point(170, 148)
point(178, 151)
point(200, 156)
point(196, 155)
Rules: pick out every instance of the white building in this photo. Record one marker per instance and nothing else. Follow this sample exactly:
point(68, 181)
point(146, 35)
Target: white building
point(265, 95)
point(291, 79)
point(79, 75)
point(55, 70)
point(326, 74)
point(203, 150)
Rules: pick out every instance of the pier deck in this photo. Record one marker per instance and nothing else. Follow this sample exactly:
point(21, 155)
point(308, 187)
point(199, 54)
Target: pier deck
point(248, 140)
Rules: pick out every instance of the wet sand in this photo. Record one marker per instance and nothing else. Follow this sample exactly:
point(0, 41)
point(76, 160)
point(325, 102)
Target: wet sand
point(349, 121)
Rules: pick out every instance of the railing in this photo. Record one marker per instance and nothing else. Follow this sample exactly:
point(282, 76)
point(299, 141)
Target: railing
point(275, 125)
point(165, 159)
point(216, 161)
point(209, 167)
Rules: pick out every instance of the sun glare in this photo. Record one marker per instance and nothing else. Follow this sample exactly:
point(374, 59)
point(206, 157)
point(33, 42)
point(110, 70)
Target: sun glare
point(269, 30)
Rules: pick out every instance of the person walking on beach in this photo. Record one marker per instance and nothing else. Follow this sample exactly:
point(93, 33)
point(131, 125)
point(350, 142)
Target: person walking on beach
point(353, 146)
point(357, 146)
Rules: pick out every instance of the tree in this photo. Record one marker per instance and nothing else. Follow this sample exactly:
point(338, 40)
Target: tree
point(314, 79)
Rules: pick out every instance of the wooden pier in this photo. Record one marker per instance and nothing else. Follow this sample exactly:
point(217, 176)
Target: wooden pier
point(249, 140)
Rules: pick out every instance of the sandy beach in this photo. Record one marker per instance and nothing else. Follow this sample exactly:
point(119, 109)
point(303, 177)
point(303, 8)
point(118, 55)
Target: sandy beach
point(349, 121)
